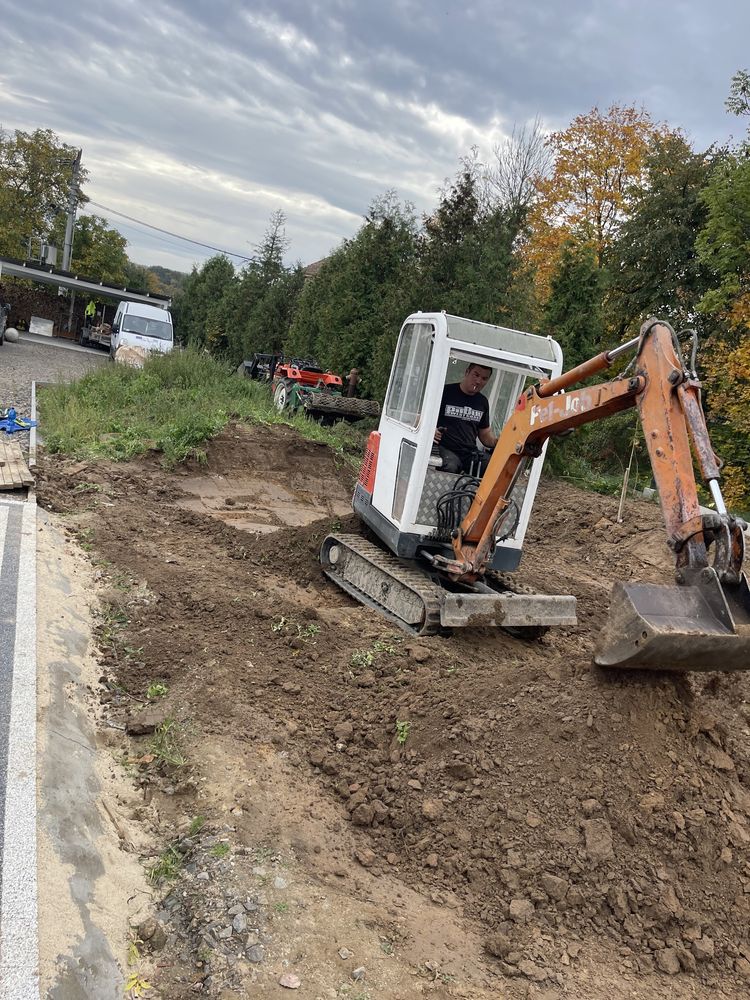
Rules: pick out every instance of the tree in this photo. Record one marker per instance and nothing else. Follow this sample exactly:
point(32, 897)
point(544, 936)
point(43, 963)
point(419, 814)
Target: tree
point(573, 311)
point(350, 313)
point(653, 265)
point(466, 260)
point(197, 310)
point(99, 251)
point(724, 243)
point(510, 181)
point(598, 166)
point(35, 174)
point(738, 101)
point(724, 247)
point(143, 279)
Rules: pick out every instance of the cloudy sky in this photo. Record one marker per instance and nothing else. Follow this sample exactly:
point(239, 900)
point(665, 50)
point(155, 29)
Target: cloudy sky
point(203, 117)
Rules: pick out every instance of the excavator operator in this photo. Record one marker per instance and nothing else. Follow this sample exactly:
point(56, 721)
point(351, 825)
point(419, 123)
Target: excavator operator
point(464, 417)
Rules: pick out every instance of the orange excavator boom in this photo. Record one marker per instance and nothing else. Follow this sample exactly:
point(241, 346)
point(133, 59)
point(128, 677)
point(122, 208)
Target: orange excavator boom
point(704, 621)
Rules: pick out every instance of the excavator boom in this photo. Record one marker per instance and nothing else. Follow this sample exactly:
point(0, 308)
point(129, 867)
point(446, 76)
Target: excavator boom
point(703, 621)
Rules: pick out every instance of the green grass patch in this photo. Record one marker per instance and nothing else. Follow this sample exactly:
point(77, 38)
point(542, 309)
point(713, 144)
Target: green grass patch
point(167, 868)
point(165, 744)
point(175, 403)
point(196, 825)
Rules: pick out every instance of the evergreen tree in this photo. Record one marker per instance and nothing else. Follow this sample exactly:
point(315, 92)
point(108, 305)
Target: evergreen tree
point(653, 266)
point(573, 312)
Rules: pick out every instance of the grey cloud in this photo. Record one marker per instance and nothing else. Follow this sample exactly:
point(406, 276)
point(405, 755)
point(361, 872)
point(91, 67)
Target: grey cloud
point(288, 101)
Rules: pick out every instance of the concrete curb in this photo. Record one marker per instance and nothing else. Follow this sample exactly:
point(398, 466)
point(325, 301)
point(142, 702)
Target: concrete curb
point(19, 944)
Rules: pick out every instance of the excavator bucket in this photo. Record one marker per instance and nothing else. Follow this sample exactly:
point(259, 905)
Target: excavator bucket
point(699, 626)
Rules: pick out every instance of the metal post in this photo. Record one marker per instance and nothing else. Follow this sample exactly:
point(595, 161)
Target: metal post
point(72, 204)
point(68, 245)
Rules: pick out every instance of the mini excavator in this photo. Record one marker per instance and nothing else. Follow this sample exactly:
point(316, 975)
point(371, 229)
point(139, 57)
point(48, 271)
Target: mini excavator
point(451, 541)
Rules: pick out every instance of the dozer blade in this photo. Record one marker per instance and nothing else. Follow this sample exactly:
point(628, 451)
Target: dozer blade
point(690, 627)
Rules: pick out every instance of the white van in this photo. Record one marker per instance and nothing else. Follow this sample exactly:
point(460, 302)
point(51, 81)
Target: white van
point(139, 325)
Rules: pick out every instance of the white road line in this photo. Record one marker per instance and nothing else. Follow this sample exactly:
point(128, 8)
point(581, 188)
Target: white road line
point(19, 947)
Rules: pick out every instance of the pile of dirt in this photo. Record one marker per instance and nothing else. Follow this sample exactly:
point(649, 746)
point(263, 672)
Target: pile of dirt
point(583, 820)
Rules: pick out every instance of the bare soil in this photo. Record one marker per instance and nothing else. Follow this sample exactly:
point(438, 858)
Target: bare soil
point(469, 816)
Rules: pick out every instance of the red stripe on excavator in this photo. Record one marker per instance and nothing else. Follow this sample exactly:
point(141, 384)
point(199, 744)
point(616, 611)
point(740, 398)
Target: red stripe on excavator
point(370, 462)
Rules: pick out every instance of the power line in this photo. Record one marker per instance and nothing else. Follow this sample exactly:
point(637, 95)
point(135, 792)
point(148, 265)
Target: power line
point(186, 239)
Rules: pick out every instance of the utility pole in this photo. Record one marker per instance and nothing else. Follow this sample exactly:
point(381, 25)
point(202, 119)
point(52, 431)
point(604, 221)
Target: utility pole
point(72, 204)
point(68, 245)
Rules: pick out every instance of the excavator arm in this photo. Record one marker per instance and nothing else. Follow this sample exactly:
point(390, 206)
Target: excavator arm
point(714, 598)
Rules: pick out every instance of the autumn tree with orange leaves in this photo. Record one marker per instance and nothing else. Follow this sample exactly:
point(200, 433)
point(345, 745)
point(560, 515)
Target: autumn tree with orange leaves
point(598, 165)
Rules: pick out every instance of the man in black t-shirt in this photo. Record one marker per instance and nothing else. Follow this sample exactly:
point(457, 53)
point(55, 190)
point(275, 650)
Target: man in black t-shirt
point(464, 417)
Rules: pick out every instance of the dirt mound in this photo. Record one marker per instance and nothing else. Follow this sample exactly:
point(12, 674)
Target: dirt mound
point(572, 813)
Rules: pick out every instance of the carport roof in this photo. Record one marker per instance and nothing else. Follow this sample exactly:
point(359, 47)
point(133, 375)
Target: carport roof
point(48, 275)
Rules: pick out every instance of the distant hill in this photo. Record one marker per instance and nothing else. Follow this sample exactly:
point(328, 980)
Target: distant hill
point(170, 282)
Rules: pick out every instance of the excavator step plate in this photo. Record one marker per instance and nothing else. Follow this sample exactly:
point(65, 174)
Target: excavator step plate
point(654, 627)
point(506, 609)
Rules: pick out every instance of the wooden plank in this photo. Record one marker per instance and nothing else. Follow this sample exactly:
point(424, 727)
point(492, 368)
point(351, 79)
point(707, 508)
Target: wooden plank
point(14, 472)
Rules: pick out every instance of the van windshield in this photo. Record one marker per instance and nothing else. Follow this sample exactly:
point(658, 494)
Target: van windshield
point(155, 328)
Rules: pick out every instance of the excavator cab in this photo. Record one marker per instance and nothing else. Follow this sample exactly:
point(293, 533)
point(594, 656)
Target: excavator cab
point(433, 350)
point(414, 505)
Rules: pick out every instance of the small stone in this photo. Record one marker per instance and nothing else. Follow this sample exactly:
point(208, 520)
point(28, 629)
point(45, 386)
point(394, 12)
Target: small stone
point(591, 807)
point(432, 809)
point(415, 784)
point(343, 731)
point(686, 960)
point(345, 954)
point(279, 882)
point(201, 877)
point(652, 802)
point(365, 856)
point(418, 653)
point(531, 819)
point(225, 932)
point(667, 961)
point(554, 886)
point(254, 953)
point(290, 981)
point(152, 932)
point(532, 971)
point(147, 928)
point(598, 834)
point(521, 910)
point(358, 973)
point(391, 858)
point(239, 924)
point(289, 687)
point(703, 948)
point(363, 815)
point(431, 860)
point(498, 945)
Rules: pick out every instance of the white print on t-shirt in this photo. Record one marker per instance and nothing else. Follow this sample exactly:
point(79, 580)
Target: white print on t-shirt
point(463, 413)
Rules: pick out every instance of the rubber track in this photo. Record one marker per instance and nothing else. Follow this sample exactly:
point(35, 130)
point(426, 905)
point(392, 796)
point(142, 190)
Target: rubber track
point(392, 567)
